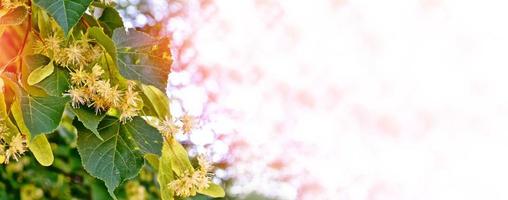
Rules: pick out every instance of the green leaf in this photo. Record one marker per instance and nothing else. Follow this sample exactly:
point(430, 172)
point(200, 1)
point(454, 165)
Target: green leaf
point(112, 160)
point(165, 175)
point(99, 192)
point(33, 62)
point(39, 146)
point(110, 20)
point(214, 191)
point(15, 16)
point(158, 99)
point(136, 61)
point(42, 115)
point(153, 160)
point(120, 155)
point(180, 162)
point(40, 73)
point(55, 84)
point(147, 138)
point(36, 60)
point(43, 22)
point(132, 39)
point(66, 12)
point(101, 38)
point(89, 118)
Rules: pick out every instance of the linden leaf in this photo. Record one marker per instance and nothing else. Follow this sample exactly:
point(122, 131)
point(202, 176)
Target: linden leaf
point(165, 175)
point(42, 115)
point(41, 149)
point(13, 130)
point(158, 99)
point(43, 21)
point(132, 39)
point(89, 118)
point(66, 12)
point(112, 160)
point(98, 35)
point(40, 73)
point(120, 155)
point(180, 162)
point(36, 60)
point(15, 16)
point(39, 146)
point(135, 60)
point(214, 191)
point(110, 20)
point(148, 139)
point(55, 84)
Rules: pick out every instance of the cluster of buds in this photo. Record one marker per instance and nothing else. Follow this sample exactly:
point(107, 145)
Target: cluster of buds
point(12, 150)
point(191, 182)
point(88, 88)
point(76, 54)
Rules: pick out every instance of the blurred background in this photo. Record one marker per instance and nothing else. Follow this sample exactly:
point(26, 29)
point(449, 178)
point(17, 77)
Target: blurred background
point(341, 99)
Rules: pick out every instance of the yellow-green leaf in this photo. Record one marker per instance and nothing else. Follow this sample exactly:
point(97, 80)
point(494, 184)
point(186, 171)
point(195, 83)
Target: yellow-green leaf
point(18, 116)
point(153, 160)
point(40, 73)
point(165, 174)
point(180, 162)
point(214, 191)
point(13, 130)
point(41, 149)
point(158, 99)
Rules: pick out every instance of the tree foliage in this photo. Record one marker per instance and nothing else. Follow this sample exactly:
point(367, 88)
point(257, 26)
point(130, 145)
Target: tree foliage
point(71, 65)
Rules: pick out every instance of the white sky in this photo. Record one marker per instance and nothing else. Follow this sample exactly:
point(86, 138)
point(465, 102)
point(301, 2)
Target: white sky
point(362, 99)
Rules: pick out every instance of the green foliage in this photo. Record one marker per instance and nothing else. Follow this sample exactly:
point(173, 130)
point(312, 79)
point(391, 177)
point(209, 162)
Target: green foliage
point(56, 84)
point(89, 119)
point(180, 163)
point(136, 60)
point(42, 114)
point(165, 175)
point(158, 101)
point(113, 159)
point(41, 150)
point(40, 73)
point(87, 100)
point(110, 20)
point(66, 12)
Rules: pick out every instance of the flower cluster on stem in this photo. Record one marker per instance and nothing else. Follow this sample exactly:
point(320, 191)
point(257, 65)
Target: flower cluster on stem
point(73, 55)
point(15, 148)
point(191, 182)
point(90, 89)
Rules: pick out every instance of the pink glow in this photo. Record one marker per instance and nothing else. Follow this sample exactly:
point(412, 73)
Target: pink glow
point(351, 99)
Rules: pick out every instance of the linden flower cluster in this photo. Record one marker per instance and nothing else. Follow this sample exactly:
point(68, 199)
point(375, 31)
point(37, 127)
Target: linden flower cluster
point(15, 148)
point(192, 182)
point(77, 54)
point(88, 88)
point(168, 127)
